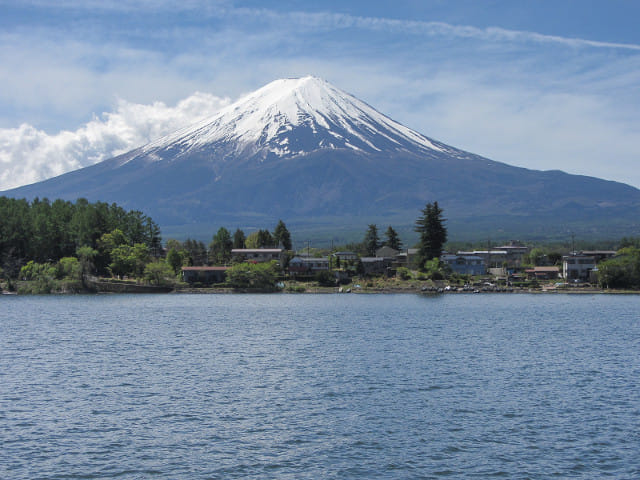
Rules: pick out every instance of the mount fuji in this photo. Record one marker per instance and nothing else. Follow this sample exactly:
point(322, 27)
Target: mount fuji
point(315, 156)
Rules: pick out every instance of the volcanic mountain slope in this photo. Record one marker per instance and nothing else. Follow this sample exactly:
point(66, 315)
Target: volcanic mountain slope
point(304, 151)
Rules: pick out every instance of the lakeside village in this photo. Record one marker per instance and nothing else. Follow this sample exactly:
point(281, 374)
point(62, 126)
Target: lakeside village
point(65, 247)
point(500, 269)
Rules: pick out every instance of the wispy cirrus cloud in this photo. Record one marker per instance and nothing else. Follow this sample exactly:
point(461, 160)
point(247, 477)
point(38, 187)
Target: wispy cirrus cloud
point(417, 27)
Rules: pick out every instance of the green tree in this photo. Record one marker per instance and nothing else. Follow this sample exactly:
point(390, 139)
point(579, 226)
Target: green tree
point(174, 244)
point(108, 241)
point(535, 257)
point(259, 276)
point(325, 278)
point(433, 233)
point(220, 247)
point(622, 271)
point(239, 239)
point(41, 275)
point(129, 260)
point(403, 273)
point(281, 236)
point(70, 268)
point(196, 252)
point(392, 240)
point(265, 239)
point(86, 256)
point(159, 273)
point(371, 241)
point(174, 260)
point(259, 239)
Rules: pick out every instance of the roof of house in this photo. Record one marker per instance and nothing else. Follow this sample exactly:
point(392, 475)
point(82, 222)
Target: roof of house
point(204, 269)
point(543, 270)
point(308, 259)
point(409, 251)
point(388, 251)
point(256, 250)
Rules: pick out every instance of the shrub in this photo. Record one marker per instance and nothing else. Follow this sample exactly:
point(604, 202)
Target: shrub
point(325, 278)
point(403, 273)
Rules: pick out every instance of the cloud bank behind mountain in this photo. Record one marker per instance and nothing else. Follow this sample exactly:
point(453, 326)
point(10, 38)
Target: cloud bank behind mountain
point(28, 155)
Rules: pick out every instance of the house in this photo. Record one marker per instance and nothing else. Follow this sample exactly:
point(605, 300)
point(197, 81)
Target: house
point(256, 255)
point(543, 273)
point(599, 255)
point(307, 266)
point(577, 267)
point(207, 275)
point(387, 252)
point(492, 258)
point(342, 258)
point(515, 253)
point(407, 258)
point(465, 264)
point(375, 265)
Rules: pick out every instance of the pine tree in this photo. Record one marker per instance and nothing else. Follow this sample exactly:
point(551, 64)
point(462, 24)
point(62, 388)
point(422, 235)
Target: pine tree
point(392, 239)
point(220, 247)
point(371, 241)
point(433, 233)
point(282, 236)
point(239, 239)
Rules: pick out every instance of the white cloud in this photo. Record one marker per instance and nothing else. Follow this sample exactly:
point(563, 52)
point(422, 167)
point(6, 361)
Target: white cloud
point(28, 155)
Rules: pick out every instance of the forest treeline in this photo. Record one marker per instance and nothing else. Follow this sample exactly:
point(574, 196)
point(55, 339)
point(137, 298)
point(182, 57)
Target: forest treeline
point(45, 232)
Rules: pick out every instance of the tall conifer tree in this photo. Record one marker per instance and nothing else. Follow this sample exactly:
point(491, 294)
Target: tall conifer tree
point(433, 233)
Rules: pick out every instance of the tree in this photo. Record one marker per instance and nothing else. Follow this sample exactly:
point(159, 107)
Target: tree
point(621, 271)
point(281, 236)
point(535, 257)
point(174, 260)
point(371, 241)
point(325, 278)
point(392, 239)
point(433, 233)
point(260, 276)
point(86, 256)
point(259, 239)
point(196, 252)
point(265, 239)
point(158, 273)
point(220, 247)
point(238, 239)
point(70, 268)
point(128, 260)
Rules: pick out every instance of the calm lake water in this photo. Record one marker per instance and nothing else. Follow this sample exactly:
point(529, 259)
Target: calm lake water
point(320, 386)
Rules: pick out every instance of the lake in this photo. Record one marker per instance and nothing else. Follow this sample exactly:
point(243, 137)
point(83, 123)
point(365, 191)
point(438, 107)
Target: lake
point(320, 386)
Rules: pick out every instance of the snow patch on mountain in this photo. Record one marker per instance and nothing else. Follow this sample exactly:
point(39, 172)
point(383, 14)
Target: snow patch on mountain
point(291, 117)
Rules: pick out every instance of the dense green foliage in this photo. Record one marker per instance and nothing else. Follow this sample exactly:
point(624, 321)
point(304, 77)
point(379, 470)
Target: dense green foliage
point(433, 233)
point(44, 232)
point(622, 271)
point(325, 278)
point(254, 276)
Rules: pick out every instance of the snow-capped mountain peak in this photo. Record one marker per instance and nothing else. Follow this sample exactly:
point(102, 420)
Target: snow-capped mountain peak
point(290, 117)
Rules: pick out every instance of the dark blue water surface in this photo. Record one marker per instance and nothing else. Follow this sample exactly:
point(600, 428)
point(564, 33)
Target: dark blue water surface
point(320, 386)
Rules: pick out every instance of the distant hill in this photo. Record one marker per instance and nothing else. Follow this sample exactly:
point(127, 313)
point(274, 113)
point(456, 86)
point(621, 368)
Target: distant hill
point(306, 152)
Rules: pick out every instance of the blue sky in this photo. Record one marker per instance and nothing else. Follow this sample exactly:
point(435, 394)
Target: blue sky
point(540, 84)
